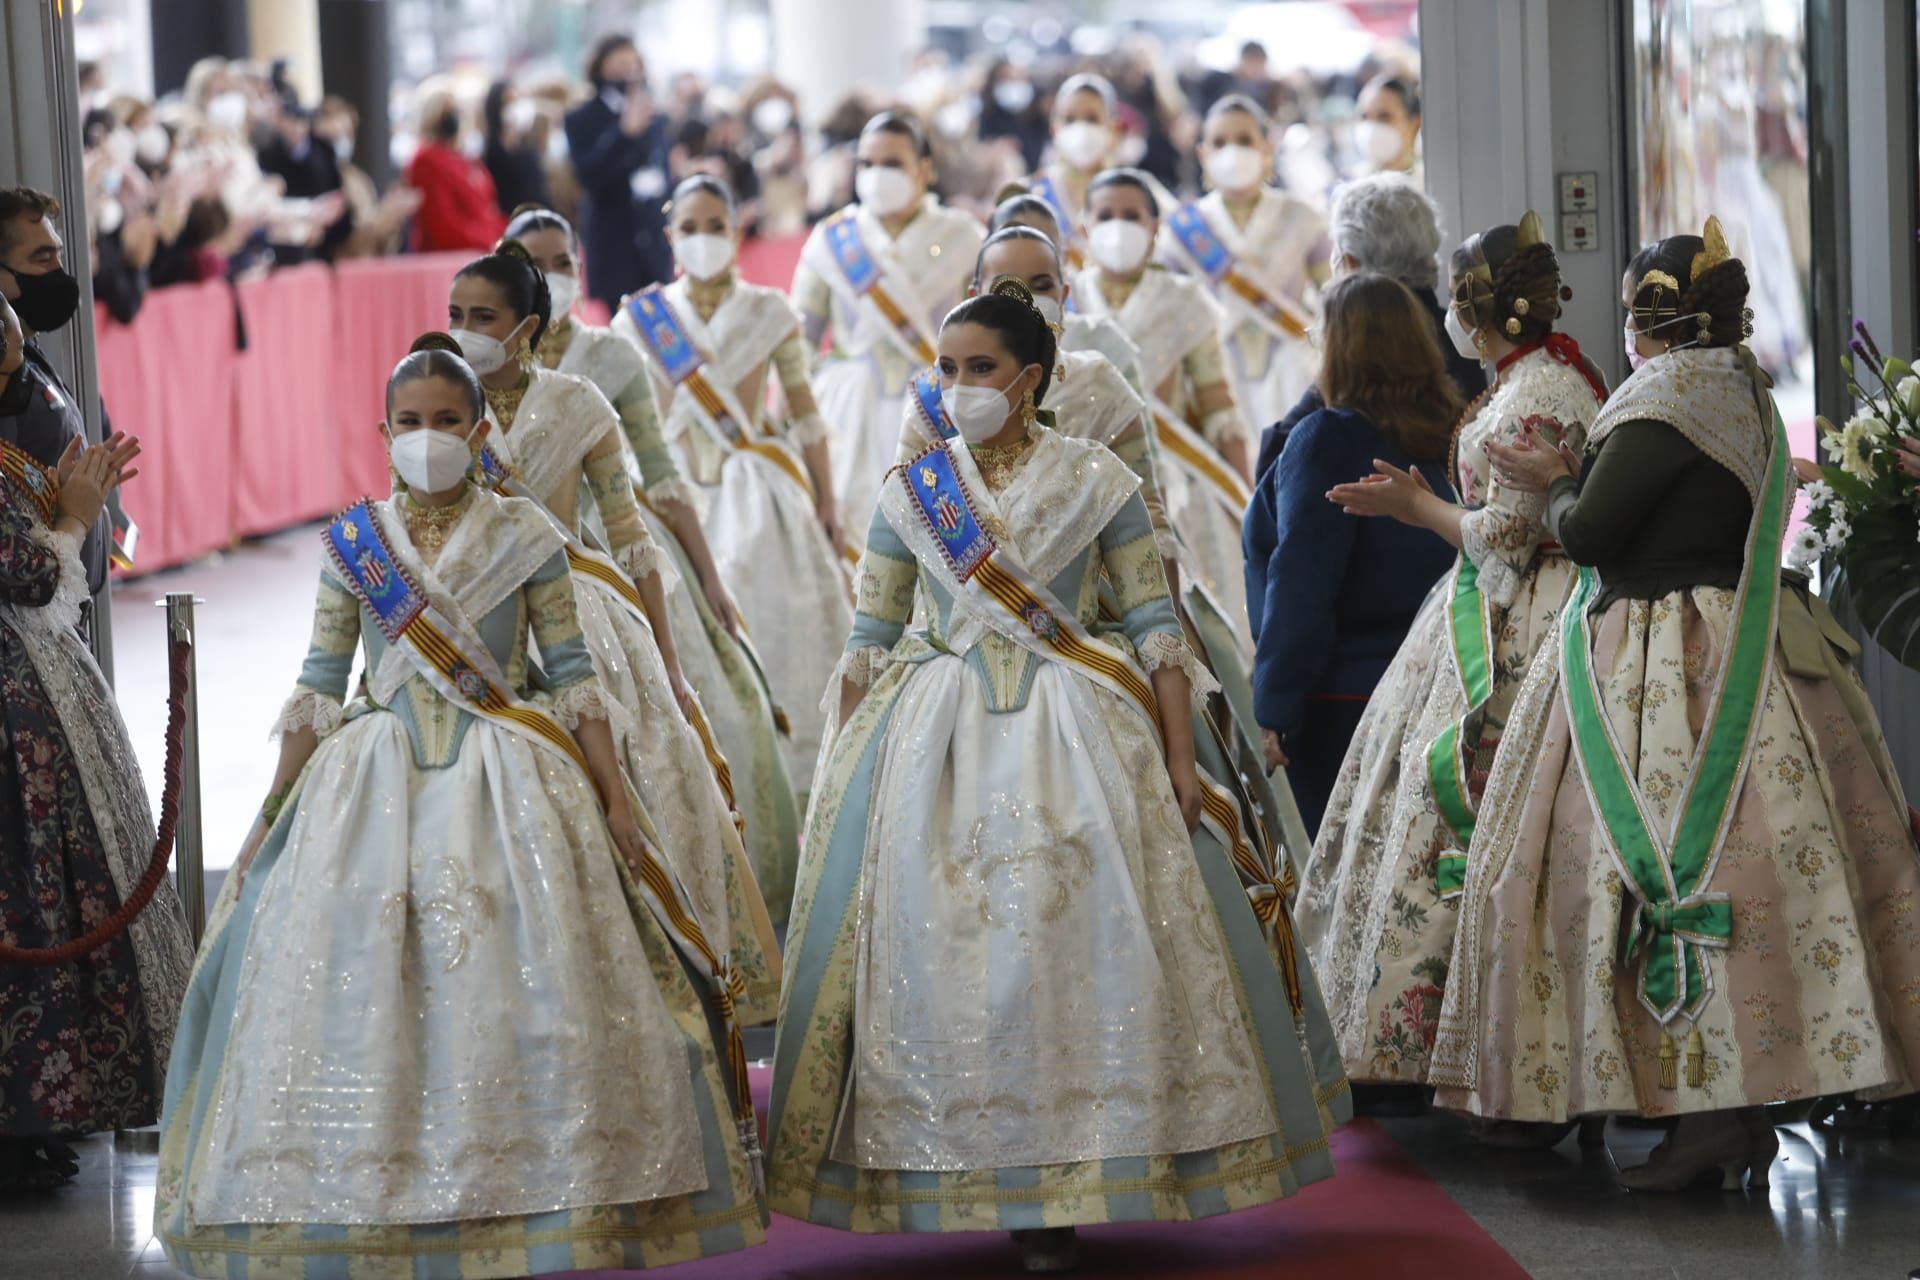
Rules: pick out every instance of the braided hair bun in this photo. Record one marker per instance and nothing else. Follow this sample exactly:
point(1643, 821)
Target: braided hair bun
point(1007, 308)
point(511, 269)
point(1506, 281)
point(1691, 291)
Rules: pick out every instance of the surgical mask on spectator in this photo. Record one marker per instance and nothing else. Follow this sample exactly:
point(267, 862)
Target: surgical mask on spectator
point(153, 144)
point(1131, 151)
point(1380, 142)
point(228, 111)
point(1083, 144)
point(1014, 95)
point(1235, 168)
point(1461, 336)
point(120, 146)
point(485, 354)
point(564, 292)
point(1050, 310)
point(431, 461)
point(343, 150)
point(703, 257)
point(472, 145)
point(1634, 358)
point(1119, 246)
point(772, 115)
point(521, 114)
point(885, 191)
point(978, 413)
point(110, 217)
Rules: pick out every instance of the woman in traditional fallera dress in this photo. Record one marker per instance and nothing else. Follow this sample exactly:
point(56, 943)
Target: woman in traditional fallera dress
point(435, 1027)
point(876, 277)
point(554, 438)
point(1692, 884)
point(1204, 442)
point(713, 342)
point(1378, 899)
point(1262, 251)
point(1083, 143)
point(1003, 802)
point(83, 1045)
point(717, 661)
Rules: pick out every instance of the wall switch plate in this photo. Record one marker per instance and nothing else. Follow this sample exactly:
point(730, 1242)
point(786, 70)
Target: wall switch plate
point(1578, 194)
point(1579, 232)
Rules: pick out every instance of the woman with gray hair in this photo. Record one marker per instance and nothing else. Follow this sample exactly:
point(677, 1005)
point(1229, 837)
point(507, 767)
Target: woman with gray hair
point(1381, 223)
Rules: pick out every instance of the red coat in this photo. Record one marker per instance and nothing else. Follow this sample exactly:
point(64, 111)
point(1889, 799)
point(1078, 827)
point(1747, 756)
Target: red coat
point(458, 208)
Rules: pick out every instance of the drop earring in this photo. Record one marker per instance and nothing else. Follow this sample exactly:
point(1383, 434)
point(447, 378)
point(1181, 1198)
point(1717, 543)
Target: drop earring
point(1028, 413)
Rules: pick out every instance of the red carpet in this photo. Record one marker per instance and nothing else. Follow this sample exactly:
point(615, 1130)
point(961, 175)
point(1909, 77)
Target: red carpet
point(1378, 1218)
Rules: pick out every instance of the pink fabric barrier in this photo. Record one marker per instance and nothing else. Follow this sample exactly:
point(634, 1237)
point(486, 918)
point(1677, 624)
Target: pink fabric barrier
point(248, 442)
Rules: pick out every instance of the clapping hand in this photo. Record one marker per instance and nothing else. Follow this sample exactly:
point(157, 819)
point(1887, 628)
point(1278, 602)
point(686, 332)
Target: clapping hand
point(87, 474)
point(1390, 491)
point(1528, 465)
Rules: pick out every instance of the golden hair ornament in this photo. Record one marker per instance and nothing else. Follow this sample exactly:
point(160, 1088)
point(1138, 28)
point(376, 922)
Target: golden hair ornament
point(1659, 278)
point(1531, 232)
point(1521, 306)
point(1513, 326)
point(1716, 251)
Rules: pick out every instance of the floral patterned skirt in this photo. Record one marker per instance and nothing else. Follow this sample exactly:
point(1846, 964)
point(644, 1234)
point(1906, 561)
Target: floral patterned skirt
point(1818, 991)
point(1377, 927)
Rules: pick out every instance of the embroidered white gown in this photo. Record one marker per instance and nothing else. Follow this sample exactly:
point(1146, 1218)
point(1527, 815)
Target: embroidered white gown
point(863, 377)
point(560, 421)
point(760, 516)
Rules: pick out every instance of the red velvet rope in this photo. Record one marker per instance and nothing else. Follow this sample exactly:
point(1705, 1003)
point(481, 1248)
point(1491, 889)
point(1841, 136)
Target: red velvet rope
point(110, 928)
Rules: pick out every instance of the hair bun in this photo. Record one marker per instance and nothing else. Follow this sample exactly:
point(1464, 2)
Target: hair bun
point(436, 340)
point(1008, 190)
point(531, 206)
point(1012, 287)
point(515, 250)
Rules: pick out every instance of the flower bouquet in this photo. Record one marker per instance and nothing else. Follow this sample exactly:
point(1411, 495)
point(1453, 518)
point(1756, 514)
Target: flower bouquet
point(1864, 510)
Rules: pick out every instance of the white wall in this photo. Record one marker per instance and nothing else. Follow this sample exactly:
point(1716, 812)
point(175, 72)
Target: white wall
point(823, 48)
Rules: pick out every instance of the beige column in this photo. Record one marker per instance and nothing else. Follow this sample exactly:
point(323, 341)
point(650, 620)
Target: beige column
point(288, 29)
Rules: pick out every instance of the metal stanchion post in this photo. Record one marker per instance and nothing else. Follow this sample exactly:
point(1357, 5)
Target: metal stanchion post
point(189, 865)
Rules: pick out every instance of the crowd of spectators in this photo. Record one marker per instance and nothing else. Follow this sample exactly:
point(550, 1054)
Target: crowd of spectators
point(235, 175)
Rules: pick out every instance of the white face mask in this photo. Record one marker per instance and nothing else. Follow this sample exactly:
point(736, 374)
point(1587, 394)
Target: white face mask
point(1381, 143)
point(1083, 144)
point(431, 461)
point(564, 291)
point(1462, 337)
point(520, 114)
point(703, 257)
point(1014, 95)
point(228, 111)
point(1235, 168)
point(978, 413)
point(153, 144)
point(1634, 358)
point(772, 115)
point(485, 354)
point(1050, 309)
point(885, 191)
point(121, 146)
point(343, 150)
point(1119, 246)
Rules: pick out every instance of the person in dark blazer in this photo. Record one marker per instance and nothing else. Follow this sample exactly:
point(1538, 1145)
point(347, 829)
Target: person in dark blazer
point(1386, 224)
point(1330, 595)
point(619, 146)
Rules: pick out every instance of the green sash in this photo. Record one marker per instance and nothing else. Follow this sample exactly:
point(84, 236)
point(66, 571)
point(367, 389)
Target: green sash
point(1470, 641)
point(1674, 916)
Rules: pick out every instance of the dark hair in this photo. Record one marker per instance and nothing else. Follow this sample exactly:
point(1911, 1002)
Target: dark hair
point(509, 268)
point(1007, 308)
point(26, 203)
point(437, 355)
point(1087, 82)
point(1238, 102)
point(702, 184)
point(446, 125)
point(493, 112)
point(1012, 209)
point(529, 218)
point(1138, 179)
point(603, 48)
point(1007, 234)
point(1519, 294)
point(1409, 93)
point(1380, 358)
point(1708, 311)
point(902, 125)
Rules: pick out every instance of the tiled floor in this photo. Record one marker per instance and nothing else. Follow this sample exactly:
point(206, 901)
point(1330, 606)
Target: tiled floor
point(1839, 1207)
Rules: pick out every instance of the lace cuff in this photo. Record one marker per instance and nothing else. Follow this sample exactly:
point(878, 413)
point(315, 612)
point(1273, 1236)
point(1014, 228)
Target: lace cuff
point(861, 666)
point(309, 709)
point(1499, 581)
point(678, 489)
point(1162, 650)
point(62, 613)
point(808, 429)
point(583, 701)
point(1225, 426)
point(649, 559)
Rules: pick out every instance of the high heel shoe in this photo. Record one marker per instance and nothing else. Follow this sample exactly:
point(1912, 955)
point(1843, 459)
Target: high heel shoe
point(1763, 1146)
point(1521, 1135)
point(1702, 1147)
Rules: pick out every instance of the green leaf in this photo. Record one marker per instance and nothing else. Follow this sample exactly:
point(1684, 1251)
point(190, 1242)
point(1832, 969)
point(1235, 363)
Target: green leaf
point(1896, 369)
point(1882, 566)
point(1846, 488)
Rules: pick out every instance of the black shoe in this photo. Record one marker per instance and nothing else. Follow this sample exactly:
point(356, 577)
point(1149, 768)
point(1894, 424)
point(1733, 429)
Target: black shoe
point(1392, 1099)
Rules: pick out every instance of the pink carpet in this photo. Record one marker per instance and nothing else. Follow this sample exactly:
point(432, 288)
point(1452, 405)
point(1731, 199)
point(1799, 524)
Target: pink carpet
point(1378, 1218)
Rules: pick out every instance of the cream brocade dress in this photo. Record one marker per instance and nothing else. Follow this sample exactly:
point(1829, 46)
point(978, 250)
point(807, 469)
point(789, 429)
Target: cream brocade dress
point(1378, 926)
point(435, 1029)
point(739, 707)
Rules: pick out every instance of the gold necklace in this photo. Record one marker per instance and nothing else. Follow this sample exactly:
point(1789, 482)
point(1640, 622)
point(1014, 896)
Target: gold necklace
point(997, 463)
point(708, 295)
point(430, 527)
point(556, 340)
point(507, 403)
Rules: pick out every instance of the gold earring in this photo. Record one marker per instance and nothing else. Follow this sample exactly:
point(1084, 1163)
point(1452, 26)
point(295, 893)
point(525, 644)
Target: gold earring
point(1027, 410)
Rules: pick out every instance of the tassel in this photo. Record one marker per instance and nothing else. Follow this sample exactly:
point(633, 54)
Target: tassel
point(1669, 1061)
point(782, 725)
point(1696, 1060)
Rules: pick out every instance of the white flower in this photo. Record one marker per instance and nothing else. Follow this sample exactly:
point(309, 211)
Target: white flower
point(1839, 529)
point(1803, 550)
point(1819, 494)
point(1848, 447)
point(1908, 391)
point(1871, 427)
